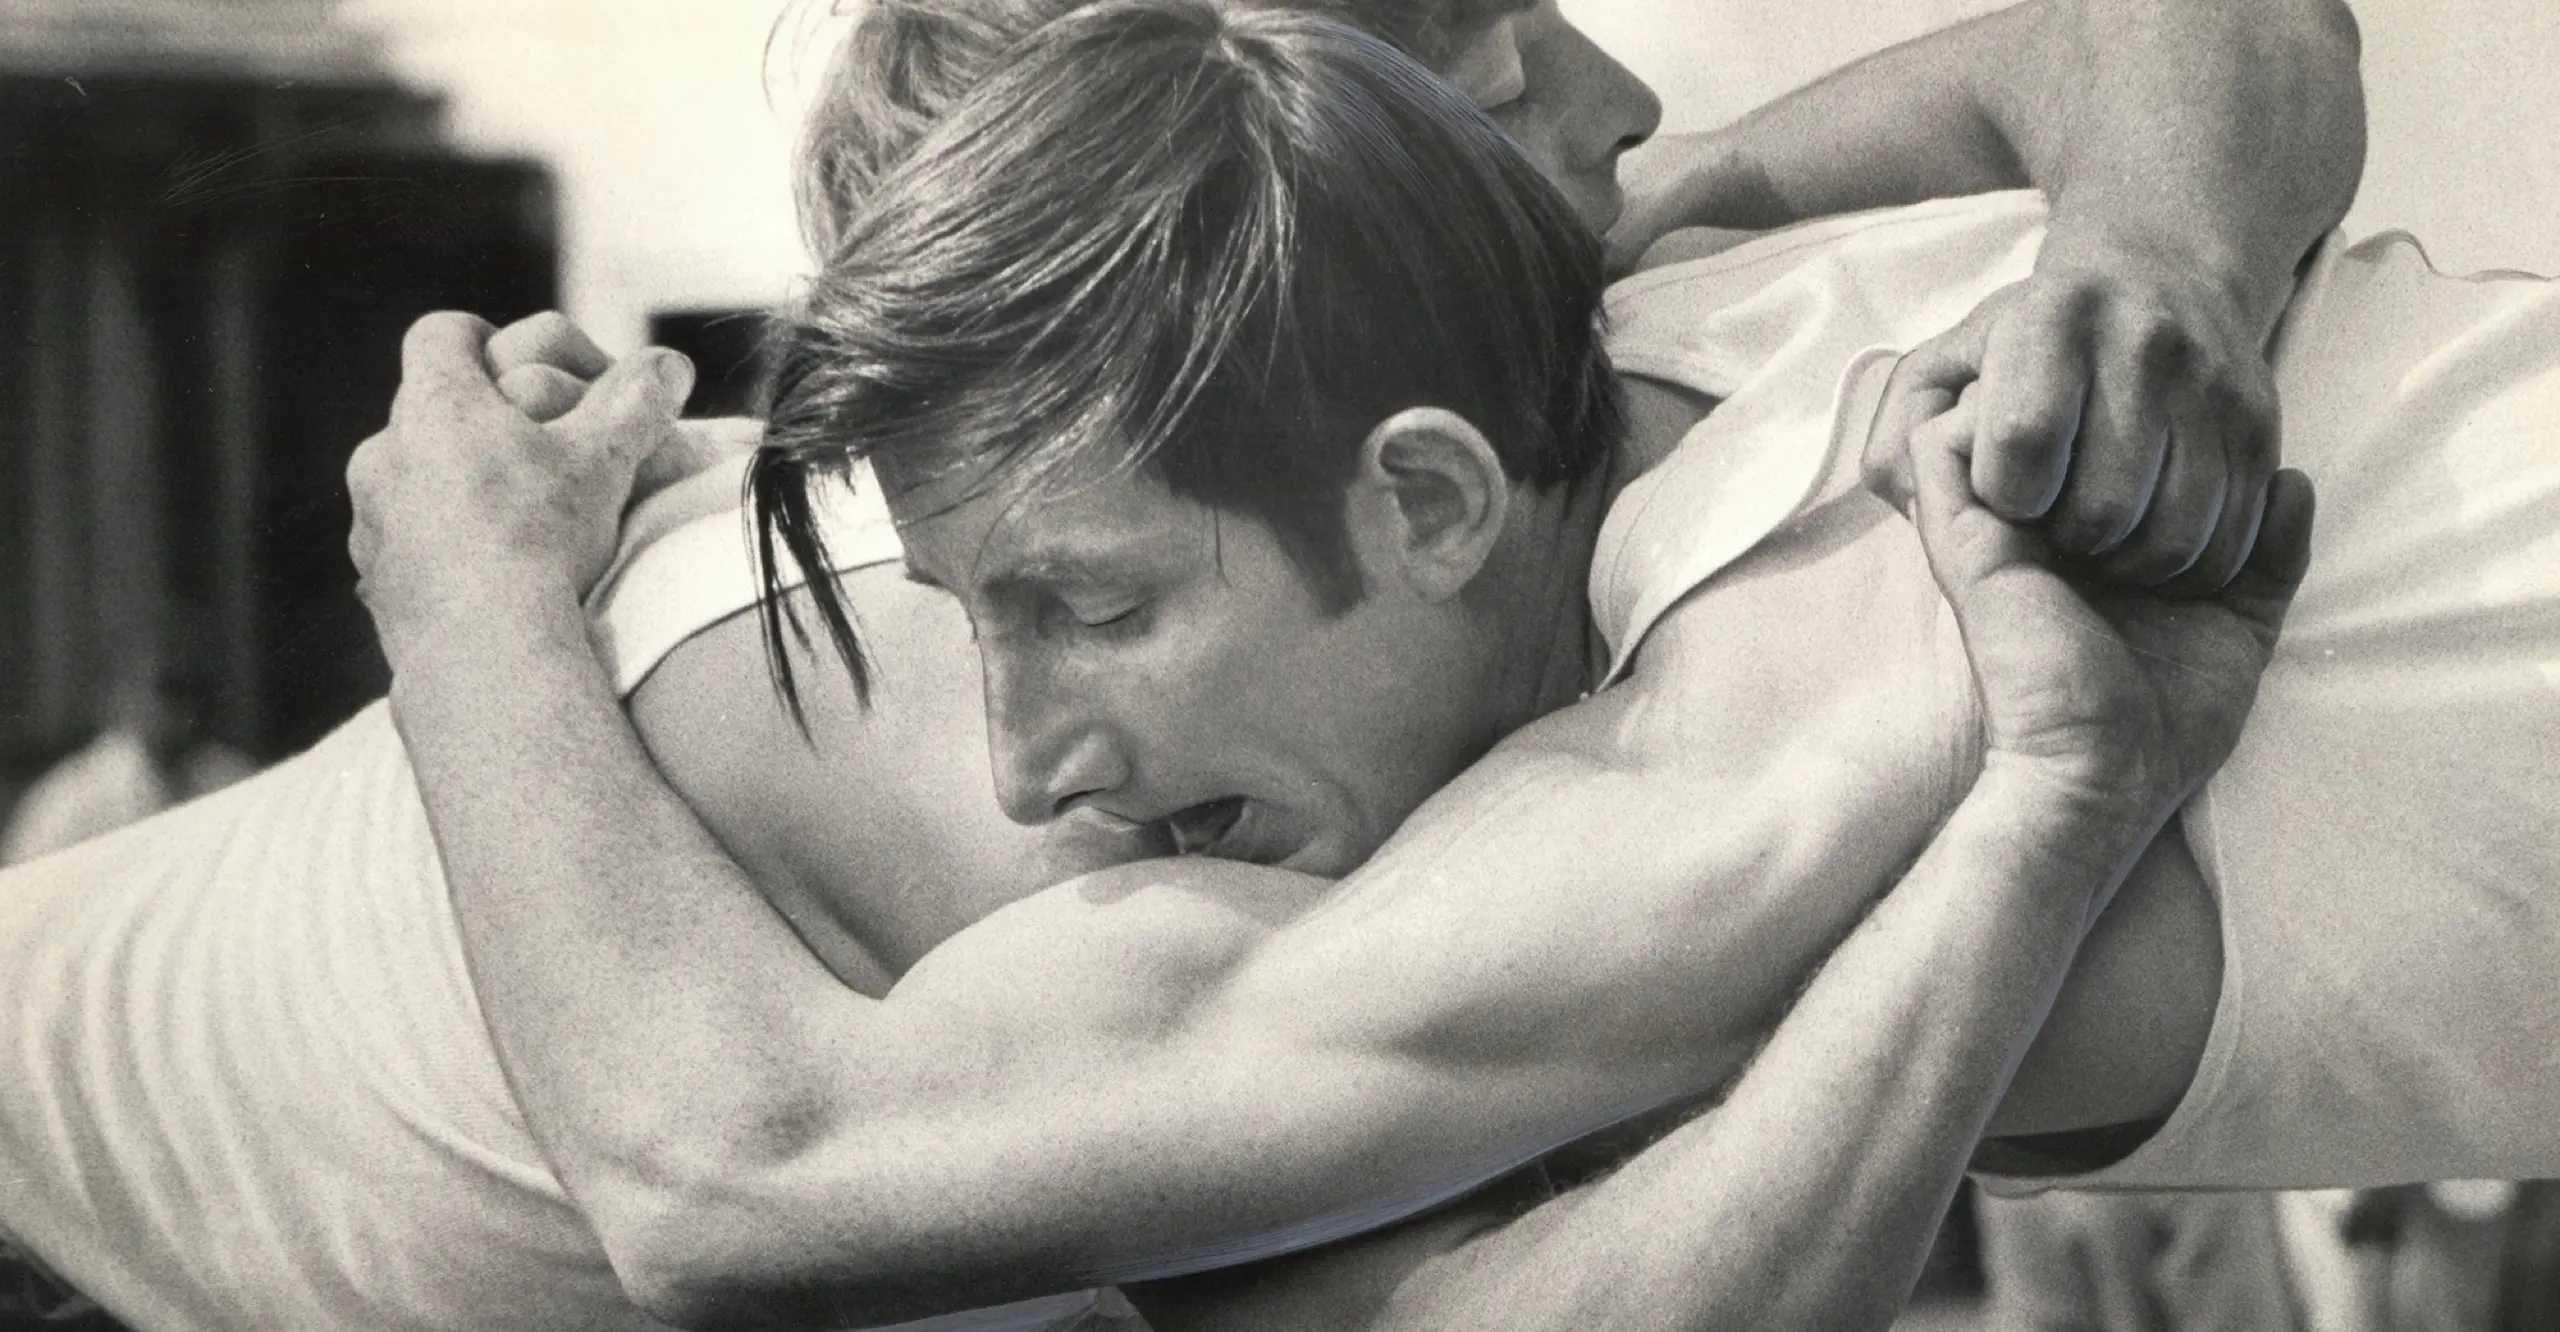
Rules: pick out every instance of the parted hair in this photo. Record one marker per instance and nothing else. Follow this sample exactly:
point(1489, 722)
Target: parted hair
point(1210, 244)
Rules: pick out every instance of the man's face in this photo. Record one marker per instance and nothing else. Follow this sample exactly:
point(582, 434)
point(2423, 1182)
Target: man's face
point(1151, 661)
point(1571, 107)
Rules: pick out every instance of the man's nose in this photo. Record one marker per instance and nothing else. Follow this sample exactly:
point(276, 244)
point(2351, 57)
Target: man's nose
point(1644, 110)
point(1633, 111)
point(1048, 757)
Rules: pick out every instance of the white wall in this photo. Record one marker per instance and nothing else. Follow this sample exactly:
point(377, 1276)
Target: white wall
point(672, 157)
point(2463, 97)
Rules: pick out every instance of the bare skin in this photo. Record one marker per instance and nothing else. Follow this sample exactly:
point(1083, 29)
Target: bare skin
point(599, 1192)
point(1232, 937)
point(874, 874)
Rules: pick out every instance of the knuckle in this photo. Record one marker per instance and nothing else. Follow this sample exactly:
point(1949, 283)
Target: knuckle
point(436, 326)
point(364, 466)
point(1938, 433)
point(2023, 432)
point(2062, 297)
point(2090, 526)
point(2165, 351)
point(2257, 430)
point(2013, 495)
point(535, 339)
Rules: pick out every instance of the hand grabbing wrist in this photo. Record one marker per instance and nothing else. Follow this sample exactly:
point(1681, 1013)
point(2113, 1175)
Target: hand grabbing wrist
point(474, 524)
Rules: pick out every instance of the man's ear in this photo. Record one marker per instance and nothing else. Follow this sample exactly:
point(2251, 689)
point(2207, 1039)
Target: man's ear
point(1429, 503)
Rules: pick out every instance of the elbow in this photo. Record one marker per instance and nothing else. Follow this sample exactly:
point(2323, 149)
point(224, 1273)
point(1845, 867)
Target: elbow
point(709, 1263)
point(785, 1241)
point(677, 1256)
point(684, 1296)
point(2334, 26)
point(2336, 43)
point(701, 1231)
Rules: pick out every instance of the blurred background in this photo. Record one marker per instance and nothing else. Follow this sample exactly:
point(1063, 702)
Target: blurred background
point(216, 216)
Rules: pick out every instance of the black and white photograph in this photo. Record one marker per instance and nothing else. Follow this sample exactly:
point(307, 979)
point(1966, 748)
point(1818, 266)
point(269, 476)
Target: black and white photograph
point(1280, 665)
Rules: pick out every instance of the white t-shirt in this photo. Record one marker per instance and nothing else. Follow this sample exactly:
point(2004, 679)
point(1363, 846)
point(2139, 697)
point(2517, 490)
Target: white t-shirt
point(2383, 844)
point(102, 786)
point(244, 1081)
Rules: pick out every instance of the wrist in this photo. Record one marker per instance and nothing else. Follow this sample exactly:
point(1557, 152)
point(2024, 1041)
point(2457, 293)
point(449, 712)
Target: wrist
point(2101, 802)
point(495, 619)
point(2071, 839)
point(2242, 281)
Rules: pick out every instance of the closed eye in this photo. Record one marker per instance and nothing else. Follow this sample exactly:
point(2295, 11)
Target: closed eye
point(1125, 623)
point(1487, 66)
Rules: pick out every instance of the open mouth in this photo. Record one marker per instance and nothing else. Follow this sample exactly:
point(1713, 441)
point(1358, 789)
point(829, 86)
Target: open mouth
point(1197, 830)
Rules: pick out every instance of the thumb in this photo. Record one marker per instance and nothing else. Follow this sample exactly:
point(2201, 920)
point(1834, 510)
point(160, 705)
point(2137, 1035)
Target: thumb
point(1911, 400)
point(631, 406)
point(1966, 544)
point(2035, 389)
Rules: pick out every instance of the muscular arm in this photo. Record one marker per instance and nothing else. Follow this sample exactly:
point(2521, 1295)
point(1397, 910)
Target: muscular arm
point(2233, 134)
point(1810, 1196)
point(1170, 1068)
point(1177, 1066)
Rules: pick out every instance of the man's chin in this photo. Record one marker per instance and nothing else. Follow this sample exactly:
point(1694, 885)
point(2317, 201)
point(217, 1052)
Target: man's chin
point(1602, 204)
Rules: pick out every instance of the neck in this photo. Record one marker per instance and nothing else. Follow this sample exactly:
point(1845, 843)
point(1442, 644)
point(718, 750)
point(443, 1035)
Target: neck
point(1556, 653)
point(1552, 655)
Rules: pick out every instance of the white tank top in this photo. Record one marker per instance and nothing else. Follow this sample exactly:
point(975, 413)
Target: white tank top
point(2382, 843)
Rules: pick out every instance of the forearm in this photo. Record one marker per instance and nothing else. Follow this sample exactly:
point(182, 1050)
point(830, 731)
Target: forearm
point(2129, 1028)
point(1809, 1197)
point(1559, 942)
point(1900, 126)
point(1521, 967)
point(1105, 1083)
point(2235, 131)
point(1567, 947)
point(2230, 135)
point(1034, 1104)
point(656, 1018)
